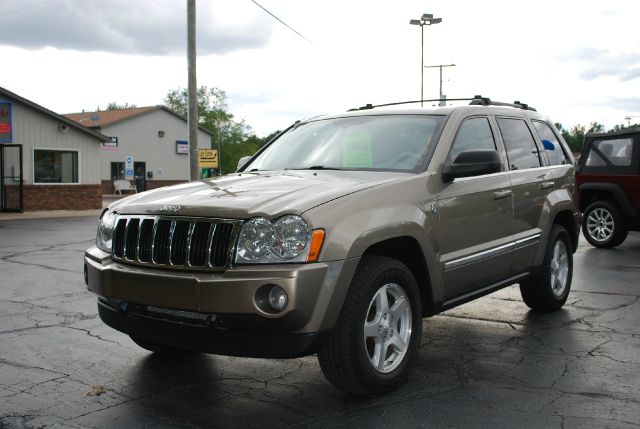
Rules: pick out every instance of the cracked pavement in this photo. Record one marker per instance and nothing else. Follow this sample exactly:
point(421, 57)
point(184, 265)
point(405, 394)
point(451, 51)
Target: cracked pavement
point(489, 363)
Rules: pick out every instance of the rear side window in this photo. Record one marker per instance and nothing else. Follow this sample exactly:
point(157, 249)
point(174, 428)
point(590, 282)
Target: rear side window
point(615, 151)
point(551, 144)
point(474, 133)
point(521, 148)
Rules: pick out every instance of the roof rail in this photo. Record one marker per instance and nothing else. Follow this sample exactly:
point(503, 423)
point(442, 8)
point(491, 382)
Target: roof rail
point(371, 106)
point(477, 100)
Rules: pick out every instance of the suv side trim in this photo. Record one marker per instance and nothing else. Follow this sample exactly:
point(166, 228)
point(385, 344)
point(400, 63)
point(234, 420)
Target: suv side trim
point(491, 252)
point(505, 248)
point(461, 299)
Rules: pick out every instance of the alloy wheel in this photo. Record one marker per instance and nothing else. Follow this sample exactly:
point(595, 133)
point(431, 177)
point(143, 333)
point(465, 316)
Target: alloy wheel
point(600, 224)
point(387, 328)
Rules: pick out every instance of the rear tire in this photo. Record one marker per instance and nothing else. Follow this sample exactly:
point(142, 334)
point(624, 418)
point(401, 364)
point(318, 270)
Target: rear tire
point(603, 225)
point(549, 289)
point(376, 339)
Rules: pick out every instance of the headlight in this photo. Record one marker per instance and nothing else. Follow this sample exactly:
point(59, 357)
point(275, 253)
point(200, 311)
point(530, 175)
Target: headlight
point(106, 225)
point(285, 240)
point(256, 239)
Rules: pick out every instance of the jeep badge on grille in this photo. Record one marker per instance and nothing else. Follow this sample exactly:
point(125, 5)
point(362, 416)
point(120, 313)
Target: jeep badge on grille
point(170, 208)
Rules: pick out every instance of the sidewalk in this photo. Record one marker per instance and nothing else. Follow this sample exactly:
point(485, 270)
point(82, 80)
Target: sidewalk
point(106, 200)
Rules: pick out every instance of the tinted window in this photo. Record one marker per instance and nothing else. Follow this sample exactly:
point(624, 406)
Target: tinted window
point(616, 151)
point(551, 144)
point(474, 133)
point(521, 148)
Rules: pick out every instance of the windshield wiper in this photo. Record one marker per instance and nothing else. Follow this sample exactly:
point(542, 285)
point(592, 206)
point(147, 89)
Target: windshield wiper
point(317, 167)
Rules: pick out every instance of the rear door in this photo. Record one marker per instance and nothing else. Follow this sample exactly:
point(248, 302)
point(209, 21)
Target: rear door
point(532, 180)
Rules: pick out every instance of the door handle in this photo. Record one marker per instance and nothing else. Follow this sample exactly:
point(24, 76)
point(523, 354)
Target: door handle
point(499, 195)
point(545, 186)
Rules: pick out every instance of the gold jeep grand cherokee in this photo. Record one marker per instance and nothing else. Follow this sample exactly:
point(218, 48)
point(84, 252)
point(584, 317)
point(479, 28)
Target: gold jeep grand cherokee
point(340, 235)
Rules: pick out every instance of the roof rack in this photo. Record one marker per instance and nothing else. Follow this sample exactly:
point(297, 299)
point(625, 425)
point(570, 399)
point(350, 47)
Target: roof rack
point(477, 100)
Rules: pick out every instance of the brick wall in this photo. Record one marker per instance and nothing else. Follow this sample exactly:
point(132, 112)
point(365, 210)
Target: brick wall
point(62, 197)
point(107, 185)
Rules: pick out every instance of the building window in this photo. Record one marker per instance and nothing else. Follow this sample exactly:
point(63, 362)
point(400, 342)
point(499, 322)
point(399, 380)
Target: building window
point(55, 166)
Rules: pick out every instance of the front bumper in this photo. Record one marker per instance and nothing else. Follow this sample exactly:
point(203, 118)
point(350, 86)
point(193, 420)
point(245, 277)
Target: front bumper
point(242, 327)
point(212, 337)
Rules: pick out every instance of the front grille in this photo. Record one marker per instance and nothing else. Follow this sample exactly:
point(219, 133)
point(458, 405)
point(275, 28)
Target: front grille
point(175, 242)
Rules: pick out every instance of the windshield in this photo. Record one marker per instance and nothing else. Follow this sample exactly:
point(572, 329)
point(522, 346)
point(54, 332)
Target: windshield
point(383, 142)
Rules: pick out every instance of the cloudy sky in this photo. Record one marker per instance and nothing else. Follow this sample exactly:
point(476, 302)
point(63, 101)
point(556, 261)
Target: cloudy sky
point(577, 61)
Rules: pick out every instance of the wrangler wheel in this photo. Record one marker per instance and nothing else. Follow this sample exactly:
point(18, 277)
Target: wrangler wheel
point(603, 225)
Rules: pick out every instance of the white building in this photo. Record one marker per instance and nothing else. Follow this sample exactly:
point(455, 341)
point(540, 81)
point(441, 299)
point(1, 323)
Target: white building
point(47, 162)
point(155, 137)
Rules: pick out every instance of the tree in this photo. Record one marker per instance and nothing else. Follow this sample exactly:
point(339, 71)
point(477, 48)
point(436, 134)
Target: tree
point(115, 106)
point(575, 136)
point(213, 116)
point(622, 127)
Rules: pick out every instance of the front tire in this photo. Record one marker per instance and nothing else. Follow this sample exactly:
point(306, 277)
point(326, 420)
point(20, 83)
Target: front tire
point(549, 289)
point(376, 339)
point(603, 225)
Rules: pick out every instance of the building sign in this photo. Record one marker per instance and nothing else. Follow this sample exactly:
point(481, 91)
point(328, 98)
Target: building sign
point(110, 144)
point(6, 134)
point(182, 146)
point(128, 167)
point(208, 158)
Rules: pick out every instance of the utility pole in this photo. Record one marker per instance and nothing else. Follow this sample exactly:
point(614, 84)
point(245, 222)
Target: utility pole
point(192, 91)
point(440, 66)
point(628, 119)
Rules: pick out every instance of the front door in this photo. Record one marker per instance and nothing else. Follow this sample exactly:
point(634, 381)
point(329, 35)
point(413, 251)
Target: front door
point(140, 175)
point(475, 234)
point(11, 199)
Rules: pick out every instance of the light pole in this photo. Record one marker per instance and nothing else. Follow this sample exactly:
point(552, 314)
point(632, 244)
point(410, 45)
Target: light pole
point(442, 101)
point(425, 19)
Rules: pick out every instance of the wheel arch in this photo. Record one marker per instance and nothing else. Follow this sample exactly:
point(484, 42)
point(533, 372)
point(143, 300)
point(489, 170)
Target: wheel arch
point(598, 191)
point(566, 220)
point(407, 250)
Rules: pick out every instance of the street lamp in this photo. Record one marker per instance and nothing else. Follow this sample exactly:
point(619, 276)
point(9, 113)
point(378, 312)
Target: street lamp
point(425, 19)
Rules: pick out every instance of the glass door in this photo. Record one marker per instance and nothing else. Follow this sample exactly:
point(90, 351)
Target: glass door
point(11, 199)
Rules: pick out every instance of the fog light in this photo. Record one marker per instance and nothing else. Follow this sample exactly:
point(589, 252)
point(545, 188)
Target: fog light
point(278, 298)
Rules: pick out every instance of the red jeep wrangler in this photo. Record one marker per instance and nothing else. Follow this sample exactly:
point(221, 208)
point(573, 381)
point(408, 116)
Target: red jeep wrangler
point(608, 177)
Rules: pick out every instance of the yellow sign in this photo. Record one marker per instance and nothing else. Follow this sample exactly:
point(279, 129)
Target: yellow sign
point(208, 158)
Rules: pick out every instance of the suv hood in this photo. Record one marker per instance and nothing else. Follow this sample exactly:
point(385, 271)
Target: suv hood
point(243, 195)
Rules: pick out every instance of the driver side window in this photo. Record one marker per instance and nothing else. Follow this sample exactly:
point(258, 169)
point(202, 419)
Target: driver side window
point(473, 134)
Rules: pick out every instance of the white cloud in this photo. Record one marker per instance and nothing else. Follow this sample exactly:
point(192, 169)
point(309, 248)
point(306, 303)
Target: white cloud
point(577, 61)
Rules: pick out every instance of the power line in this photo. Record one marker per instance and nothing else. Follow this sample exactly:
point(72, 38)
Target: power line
point(25, 8)
point(281, 21)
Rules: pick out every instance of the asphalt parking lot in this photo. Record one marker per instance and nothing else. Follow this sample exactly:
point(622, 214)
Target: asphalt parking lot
point(490, 363)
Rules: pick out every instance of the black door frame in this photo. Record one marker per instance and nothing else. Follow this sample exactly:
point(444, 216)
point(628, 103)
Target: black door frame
point(3, 193)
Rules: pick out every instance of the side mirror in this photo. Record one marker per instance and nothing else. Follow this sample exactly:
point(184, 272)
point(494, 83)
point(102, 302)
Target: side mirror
point(472, 163)
point(242, 161)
